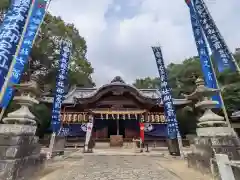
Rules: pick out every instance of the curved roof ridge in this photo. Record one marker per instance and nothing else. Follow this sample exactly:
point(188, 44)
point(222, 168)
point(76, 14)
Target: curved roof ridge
point(115, 84)
point(71, 91)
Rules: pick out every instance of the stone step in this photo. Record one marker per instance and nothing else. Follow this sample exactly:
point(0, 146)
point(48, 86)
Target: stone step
point(103, 145)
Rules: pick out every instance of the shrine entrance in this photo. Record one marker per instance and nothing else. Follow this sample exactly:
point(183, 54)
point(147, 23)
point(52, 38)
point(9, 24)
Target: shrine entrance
point(117, 109)
point(124, 123)
point(112, 128)
point(116, 127)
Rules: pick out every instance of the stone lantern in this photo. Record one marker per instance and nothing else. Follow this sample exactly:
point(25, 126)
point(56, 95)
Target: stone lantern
point(19, 148)
point(236, 115)
point(209, 124)
point(213, 134)
point(26, 98)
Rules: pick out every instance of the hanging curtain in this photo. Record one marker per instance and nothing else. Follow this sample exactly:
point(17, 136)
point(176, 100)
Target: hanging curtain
point(155, 130)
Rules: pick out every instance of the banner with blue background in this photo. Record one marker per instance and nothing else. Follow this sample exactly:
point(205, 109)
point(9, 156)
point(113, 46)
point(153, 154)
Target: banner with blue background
point(222, 55)
point(61, 80)
point(169, 110)
point(36, 15)
point(150, 130)
point(73, 130)
point(155, 130)
point(207, 69)
point(10, 34)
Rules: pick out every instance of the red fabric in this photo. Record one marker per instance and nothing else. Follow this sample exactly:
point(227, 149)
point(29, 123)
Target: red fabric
point(141, 125)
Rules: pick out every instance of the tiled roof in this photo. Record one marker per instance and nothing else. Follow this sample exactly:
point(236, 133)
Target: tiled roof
point(83, 93)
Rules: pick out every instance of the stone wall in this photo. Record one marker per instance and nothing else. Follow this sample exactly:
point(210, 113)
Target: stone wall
point(202, 157)
point(20, 155)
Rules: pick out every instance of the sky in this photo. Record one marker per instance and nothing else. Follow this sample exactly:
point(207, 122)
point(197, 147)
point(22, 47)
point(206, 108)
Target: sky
point(120, 33)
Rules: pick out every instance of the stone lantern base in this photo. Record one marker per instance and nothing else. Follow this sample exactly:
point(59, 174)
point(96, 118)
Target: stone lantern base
point(173, 147)
point(58, 146)
point(20, 154)
point(215, 131)
point(215, 140)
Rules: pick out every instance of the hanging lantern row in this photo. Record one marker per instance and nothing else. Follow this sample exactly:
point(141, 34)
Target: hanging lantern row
point(74, 117)
point(84, 117)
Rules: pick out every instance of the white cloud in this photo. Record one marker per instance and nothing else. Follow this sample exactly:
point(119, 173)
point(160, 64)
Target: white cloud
point(122, 46)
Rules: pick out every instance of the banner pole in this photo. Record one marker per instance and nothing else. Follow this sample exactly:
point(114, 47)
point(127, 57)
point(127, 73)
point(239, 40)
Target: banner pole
point(180, 144)
point(166, 96)
point(236, 64)
point(6, 82)
point(205, 40)
point(51, 145)
point(220, 95)
point(2, 113)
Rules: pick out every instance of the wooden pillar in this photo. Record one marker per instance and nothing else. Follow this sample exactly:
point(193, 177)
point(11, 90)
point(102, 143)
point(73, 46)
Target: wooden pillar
point(145, 116)
point(117, 121)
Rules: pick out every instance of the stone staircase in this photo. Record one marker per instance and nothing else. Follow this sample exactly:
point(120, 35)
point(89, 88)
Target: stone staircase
point(106, 145)
point(102, 145)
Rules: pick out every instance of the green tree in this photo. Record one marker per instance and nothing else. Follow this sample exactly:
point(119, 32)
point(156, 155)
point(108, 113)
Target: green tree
point(230, 86)
point(45, 53)
point(181, 78)
point(44, 60)
point(147, 83)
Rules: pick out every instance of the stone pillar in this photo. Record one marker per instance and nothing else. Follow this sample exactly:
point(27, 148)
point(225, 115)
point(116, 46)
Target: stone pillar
point(19, 148)
point(57, 144)
point(213, 134)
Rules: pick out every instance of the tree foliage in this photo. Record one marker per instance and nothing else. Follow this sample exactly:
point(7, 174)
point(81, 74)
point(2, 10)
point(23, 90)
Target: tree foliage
point(45, 55)
point(147, 83)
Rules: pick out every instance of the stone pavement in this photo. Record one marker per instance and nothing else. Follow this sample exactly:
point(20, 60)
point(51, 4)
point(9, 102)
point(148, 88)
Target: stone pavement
point(163, 152)
point(122, 167)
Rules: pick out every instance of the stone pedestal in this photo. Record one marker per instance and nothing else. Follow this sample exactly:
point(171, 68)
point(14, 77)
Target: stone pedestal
point(20, 154)
point(59, 145)
point(228, 145)
point(214, 134)
point(173, 147)
point(116, 141)
point(205, 148)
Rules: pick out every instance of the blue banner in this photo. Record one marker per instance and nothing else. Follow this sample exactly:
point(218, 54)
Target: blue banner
point(10, 34)
point(207, 69)
point(66, 47)
point(73, 130)
point(222, 55)
point(169, 110)
point(150, 130)
point(36, 15)
point(155, 130)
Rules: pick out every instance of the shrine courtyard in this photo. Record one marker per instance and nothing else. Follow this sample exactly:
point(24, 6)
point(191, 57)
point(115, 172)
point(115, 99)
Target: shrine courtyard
point(119, 166)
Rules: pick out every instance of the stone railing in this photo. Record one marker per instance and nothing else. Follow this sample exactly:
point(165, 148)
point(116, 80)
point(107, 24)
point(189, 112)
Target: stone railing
point(227, 169)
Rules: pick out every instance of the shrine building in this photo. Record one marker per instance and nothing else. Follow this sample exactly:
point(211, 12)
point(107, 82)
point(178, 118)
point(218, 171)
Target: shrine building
point(117, 108)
